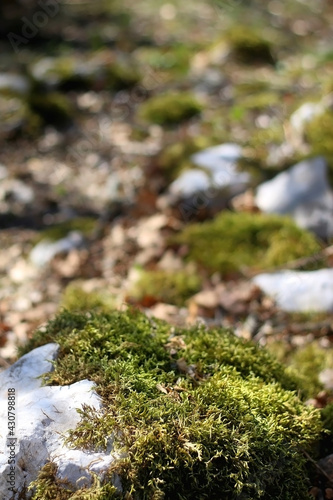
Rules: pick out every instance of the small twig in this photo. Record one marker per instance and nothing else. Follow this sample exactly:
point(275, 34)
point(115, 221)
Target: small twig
point(322, 472)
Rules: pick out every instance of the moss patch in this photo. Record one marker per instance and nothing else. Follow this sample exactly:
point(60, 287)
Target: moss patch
point(173, 60)
point(199, 413)
point(233, 241)
point(49, 487)
point(53, 107)
point(170, 108)
point(85, 225)
point(319, 133)
point(165, 286)
point(77, 299)
point(121, 75)
point(249, 47)
point(308, 361)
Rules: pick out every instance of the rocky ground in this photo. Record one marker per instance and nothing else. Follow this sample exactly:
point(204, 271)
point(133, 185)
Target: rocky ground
point(103, 193)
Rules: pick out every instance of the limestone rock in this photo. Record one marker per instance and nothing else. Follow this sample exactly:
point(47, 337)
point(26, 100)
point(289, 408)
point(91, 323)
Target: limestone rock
point(43, 417)
point(211, 185)
point(45, 250)
point(303, 192)
point(299, 290)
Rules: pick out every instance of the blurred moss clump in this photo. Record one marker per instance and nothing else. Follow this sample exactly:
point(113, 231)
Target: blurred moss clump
point(173, 60)
point(307, 361)
point(248, 46)
point(53, 107)
point(319, 133)
point(233, 241)
point(85, 225)
point(165, 286)
point(76, 299)
point(170, 108)
point(120, 75)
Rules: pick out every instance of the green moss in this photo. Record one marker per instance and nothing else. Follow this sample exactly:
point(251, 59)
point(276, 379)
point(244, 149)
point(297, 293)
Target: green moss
point(85, 225)
point(66, 74)
point(319, 133)
point(170, 108)
point(121, 75)
point(165, 286)
point(77, 299)
point(48, 487)
point(54, 108)
point(260, 140)
point(233, 241)
point(307, 361)
point(248, 46)
point(173, 59)
point(198, 413)
point(261, 100)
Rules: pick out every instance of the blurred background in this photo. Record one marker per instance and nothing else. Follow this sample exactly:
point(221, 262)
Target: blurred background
point(104, 198)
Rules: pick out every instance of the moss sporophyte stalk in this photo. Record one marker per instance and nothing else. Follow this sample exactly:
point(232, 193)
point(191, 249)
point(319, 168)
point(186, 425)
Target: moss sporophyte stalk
point(194, 413)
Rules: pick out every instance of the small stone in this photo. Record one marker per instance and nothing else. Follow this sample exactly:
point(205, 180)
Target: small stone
point(44, 416)
point(304, 193)
point(299, 290)
point(216, 181)
point(44, 251)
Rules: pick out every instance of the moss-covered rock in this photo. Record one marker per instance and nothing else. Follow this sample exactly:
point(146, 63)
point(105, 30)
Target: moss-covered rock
point(53, 107)
point(98, 70)
point(170, 108)
point(248, 46)
point(85, 225)
point(120, 75)
point(175, 158)
point(234, 241)
point(197, 414)
point(166, 286)
point(319, 133)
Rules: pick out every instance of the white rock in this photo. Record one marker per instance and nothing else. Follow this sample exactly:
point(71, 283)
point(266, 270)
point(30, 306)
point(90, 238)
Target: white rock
point(17, 190)
point(301, 183)
point(303, 192)
point(326, 378)
point(304, 114)
point(43, 417)
point(14, 83)
point(299, 290)
point(316, 216)
point(221, 163)
point(216, 156)
point(45, 250)
point(218, 177)
point(190, 182)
